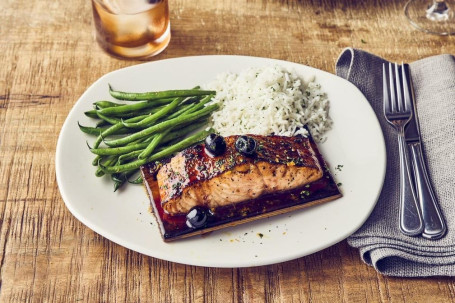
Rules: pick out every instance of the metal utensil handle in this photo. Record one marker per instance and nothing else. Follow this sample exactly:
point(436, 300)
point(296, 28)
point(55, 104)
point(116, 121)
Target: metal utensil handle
point(411, 222)
point(435, 227)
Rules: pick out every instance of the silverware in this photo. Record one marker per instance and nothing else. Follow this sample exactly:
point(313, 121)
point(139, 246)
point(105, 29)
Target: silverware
point(434, 224)
point(398, 113)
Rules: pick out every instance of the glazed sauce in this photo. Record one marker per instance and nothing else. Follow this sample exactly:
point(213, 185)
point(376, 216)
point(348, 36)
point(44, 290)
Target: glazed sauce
point(196, 164)
point(174, 226)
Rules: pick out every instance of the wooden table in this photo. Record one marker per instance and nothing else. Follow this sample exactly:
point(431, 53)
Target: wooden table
point(49, 57)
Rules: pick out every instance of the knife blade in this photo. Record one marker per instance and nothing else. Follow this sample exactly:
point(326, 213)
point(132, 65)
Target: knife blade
point(412, 130)
point(434, 224)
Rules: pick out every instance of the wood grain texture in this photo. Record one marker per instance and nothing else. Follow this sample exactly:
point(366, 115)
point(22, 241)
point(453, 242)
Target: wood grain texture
point(49, 57)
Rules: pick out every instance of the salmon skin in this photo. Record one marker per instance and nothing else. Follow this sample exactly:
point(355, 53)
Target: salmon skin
point(194, 177)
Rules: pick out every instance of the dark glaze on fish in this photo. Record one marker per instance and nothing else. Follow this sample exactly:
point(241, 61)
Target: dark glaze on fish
point(195, 177)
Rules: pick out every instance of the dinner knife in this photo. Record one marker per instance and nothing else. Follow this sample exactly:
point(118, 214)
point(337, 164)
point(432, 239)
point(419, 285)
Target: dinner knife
point(434, 224)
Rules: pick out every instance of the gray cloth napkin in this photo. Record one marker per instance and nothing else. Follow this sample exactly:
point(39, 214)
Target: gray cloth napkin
point(379, 240)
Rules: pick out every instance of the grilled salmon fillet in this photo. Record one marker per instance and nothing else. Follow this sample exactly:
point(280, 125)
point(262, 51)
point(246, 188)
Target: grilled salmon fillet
point(194, 177)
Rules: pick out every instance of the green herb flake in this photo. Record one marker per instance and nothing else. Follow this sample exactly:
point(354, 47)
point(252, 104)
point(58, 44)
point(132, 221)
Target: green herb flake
point(304, 193)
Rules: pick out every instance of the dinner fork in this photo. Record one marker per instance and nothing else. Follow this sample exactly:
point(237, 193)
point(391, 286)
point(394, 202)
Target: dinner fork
point(397, 111)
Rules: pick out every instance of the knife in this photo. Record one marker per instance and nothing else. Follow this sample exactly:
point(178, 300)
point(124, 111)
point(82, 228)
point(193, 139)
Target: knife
point(434, 224)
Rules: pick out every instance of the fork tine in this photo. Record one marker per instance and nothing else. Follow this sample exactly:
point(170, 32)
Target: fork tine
point(392, 89)
point(398, 78)
point(385, 89)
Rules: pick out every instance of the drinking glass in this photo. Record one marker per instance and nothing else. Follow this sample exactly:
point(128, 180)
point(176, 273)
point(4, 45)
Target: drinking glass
point(434, 17)
point(133, 29)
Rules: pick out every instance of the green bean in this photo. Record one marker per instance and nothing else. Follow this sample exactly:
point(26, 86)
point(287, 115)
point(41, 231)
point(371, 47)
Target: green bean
point(96, 160)
point(110, 120)
point(191, 107)
point(109, 131)
point(132, 146)
point(173, 136)
point(153, 118)
point(157, 156)
point(127, 152)
point(144, 112)
point(114, 129)
point(129, 156)
point(98, 130)
point(128, 108)
point(158, 95)
point(108, 162)
point(133, 155)
point(91, 114)
point(132, 114)
point(91, 130)
point(162, 126)
point(156, 109)
point(184, 106)
point(138, 180)
point(102, 123)
point(142, 140)
point(105, 104)
point(142, 143)
point(151, 107)
point(118, 150)
point(201, 104)
point(147, 139)
point(184, 109)
point(152, 145)
point(120, 179)
point(117, 177)
point(178, 133)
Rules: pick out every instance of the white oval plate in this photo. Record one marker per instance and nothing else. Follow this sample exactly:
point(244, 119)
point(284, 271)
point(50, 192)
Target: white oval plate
point(355, 142)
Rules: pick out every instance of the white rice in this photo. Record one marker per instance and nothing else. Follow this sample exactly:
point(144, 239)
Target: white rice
point(269, 101)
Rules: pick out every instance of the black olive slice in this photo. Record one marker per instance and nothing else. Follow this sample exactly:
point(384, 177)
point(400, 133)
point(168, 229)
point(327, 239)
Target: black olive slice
point(246, 145)
point(215, 144)
point(197, 217)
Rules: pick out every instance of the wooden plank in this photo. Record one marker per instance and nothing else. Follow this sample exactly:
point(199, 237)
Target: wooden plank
point(49, 58)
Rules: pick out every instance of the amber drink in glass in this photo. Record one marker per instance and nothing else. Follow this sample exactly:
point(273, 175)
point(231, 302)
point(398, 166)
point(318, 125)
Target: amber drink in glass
point(133, 29)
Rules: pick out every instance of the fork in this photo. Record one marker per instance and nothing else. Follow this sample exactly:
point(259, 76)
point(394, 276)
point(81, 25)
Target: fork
point(397, 111)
